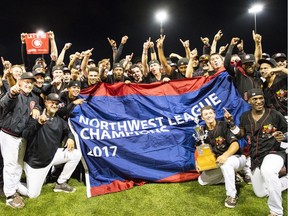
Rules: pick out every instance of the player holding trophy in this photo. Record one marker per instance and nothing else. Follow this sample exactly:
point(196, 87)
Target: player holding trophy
point(225, 146)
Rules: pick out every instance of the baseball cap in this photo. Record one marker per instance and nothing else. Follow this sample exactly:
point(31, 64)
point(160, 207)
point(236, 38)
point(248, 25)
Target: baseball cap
point(172, 64)
point(182, 61)
point(153, 62)
point(254, 92)
point(38, 66)
point(279, 55)
point(27, 75)
point(38, 72)
point(74, 83)
point(53, 97)
point(91, 61)
point(117, 65)
point(39, 59)
point(269, 61)
point(265, 55)
point(204, 57)
point(248, 58)
point(56, 67)
point(66, 69)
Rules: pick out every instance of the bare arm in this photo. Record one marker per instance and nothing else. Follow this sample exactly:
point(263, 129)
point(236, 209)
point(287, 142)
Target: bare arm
point(233, 148)
point(61, 56)
point(186, 46)
point(258, 47)
point(206, 45)
point(190, 68)
point(167, 68)
point(73, 59)
point(84, 62)
point(175, 55)
point(144, 58)
point(114, 47)
point(152, 51)
point(53, 43)
point(217, 37)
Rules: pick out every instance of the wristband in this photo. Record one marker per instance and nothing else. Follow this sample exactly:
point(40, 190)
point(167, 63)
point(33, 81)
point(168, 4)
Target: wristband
point(236, 130)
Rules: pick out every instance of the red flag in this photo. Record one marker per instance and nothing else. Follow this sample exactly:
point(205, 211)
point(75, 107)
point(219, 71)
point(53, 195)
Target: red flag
point(37, 43)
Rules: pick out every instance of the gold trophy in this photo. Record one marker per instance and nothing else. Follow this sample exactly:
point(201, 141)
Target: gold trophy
point(204, 157)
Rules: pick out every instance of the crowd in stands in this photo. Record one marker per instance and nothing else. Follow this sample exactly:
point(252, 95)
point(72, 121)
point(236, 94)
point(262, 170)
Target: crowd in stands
point(38, 97)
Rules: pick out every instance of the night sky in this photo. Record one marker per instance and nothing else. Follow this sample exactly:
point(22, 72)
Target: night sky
point(87, 24)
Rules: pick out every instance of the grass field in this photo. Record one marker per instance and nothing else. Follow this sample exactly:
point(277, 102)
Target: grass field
point(171, 199)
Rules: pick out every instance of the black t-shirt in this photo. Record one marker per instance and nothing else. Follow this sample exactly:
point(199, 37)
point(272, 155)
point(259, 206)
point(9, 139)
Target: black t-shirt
point(151, 78)
point(176, 75)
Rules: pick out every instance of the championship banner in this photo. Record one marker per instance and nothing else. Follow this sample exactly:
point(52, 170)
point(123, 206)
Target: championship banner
point(137, 133)
point(37, 43)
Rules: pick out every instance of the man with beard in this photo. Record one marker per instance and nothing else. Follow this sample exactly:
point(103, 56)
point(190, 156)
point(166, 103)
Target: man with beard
point(43, 138)
point(116, 76)
point(17, 105)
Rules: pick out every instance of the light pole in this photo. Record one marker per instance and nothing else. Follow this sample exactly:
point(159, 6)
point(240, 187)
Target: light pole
point(161, 16)
point(256, 8)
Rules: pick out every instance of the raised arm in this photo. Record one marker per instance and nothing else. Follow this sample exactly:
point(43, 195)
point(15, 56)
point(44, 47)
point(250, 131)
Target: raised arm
point(53, 43)
point(113, 46)
point(167, 68)
point(73, 59)
point(24, 55)
point(217, 37)
point(120, 48)
point(7, 73)
point(258, 47)
point(152, 51)
point(61, 56)
point(206, 45)
point(190, 68)
point(222, 49)
point(186, 46)
point(144, 58)
point(175, 55)
point(84, 62)
point(227, 61)
point(240, 46)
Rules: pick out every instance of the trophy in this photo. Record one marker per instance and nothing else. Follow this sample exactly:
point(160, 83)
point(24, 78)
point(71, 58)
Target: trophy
point(204, 157)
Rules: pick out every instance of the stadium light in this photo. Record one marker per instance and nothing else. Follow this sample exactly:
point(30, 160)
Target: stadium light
point(256, 8)
point(161, 16)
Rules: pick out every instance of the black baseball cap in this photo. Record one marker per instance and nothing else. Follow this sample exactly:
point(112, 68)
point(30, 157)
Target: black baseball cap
point(27, 75)
point(53, 97)
point(74, 83)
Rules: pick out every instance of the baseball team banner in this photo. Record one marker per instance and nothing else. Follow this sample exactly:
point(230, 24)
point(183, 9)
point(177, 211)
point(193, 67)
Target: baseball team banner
point(137, 133)
point(37, 43)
